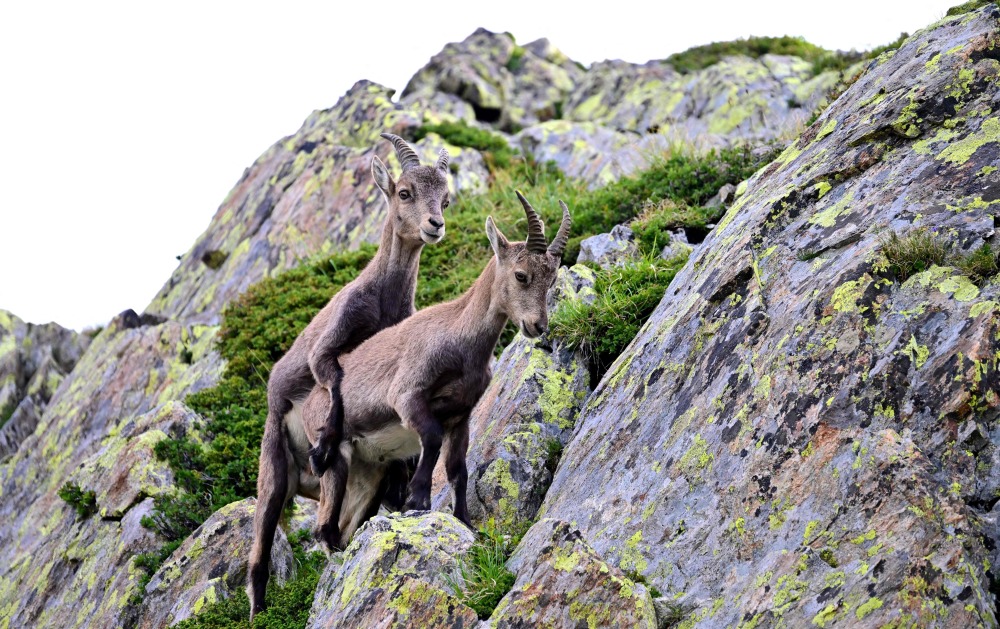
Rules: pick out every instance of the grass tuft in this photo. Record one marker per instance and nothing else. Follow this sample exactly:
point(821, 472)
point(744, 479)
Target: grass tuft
point(497, 153)
point(288, 606)
point(980, 265)
point(626, 296)
point(483, 577)
point(84, 502)
point(904, 256)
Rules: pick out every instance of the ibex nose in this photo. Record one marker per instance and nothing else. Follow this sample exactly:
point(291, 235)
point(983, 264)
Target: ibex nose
point(541, 326)
point(436, 222)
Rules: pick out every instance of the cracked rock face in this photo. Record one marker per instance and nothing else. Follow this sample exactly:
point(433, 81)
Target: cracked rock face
point(562, 582)
point(814, 443)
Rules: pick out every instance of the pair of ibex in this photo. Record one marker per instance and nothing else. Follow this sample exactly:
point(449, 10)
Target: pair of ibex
point(370, 385)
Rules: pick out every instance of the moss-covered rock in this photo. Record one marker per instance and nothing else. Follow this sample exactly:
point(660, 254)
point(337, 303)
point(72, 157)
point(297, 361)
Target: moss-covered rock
point(397, 572)
point(738, 98)
point(209, 566)
point(507, 85)
point(796, 438)
point(563, 582)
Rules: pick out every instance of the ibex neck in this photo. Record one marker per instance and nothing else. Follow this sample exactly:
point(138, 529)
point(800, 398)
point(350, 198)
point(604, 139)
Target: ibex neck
point(481, 322)
point(396, 256)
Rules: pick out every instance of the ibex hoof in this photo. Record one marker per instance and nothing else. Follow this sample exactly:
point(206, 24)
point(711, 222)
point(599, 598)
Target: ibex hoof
point(320, 459)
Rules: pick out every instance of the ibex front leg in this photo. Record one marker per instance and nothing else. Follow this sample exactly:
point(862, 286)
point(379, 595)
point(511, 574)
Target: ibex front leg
point(417, 416)
point(458, 475)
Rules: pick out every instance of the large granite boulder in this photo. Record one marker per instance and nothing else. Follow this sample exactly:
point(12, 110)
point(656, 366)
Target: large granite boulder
point(507, 85)
point(738, 98)
point(795, 437)
point(397, 571)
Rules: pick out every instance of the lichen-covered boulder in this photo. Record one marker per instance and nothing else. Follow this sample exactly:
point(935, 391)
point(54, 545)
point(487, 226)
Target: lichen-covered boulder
point(525, 416)
point(563, 582)
point(583, 150)
point(797, 437)
point(210, 565)
point(612, 249)
point(64, 570)
point(311, 193)
point(738, 98)
point(506, 84)
point(34, 360)
point(397, 572)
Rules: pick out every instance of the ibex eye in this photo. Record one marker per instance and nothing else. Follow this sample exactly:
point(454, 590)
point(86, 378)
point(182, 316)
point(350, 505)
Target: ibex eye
point(521, 277)
point(445, 204)
point(404, 194)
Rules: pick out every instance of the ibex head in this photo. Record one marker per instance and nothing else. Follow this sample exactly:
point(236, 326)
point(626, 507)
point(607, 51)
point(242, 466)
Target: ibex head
point(420, 195)
point(526, 270)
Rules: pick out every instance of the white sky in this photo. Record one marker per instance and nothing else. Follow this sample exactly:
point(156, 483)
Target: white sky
point(124, 125)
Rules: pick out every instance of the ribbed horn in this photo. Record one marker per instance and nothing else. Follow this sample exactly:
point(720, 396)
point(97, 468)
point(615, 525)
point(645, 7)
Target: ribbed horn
point(443, 159)
point(536, 242)
point(407, 156)
point(562, 236)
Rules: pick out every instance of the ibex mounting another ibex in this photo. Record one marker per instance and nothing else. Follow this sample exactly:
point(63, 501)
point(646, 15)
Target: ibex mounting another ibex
point(409, 389)
point(382, 295)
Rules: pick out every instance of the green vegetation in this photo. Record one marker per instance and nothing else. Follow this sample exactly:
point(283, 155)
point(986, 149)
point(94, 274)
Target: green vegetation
point(626, 296)
point(514, 62)
point(287, 606)
point(701, 57)
point(901, 257)
point(553, 452)
point(980, 265)
point(6, 413)
point(687, 180)
point(483, 578)
point(497, 153)
point(972, 5)
point(84, 502)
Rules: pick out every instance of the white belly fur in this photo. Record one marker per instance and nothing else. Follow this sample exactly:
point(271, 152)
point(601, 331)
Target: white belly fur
point(394, 442)
point(299, 445)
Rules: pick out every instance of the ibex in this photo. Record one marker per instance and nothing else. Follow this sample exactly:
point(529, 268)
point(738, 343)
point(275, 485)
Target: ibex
point(382, 295)
point(409, 389)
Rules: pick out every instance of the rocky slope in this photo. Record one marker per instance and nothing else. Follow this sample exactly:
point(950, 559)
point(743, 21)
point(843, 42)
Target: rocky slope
point(795, 438)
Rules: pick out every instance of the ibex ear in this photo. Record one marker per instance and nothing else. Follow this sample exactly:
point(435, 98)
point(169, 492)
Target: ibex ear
point(497, 240)
point(382, 179)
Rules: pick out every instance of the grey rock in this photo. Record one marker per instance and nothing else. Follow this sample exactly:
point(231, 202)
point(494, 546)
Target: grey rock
point(563, 582)
point(609, 250)
point(397, 571)
point(781, 440)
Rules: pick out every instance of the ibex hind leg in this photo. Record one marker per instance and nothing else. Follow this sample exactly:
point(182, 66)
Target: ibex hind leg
point(325, 454)
point(273, 483)
point(333, 486)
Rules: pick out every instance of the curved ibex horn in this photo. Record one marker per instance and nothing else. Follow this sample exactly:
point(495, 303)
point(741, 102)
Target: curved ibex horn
point(562, 236)
point(404, 152)
point(443, 159)
point(536, 242)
